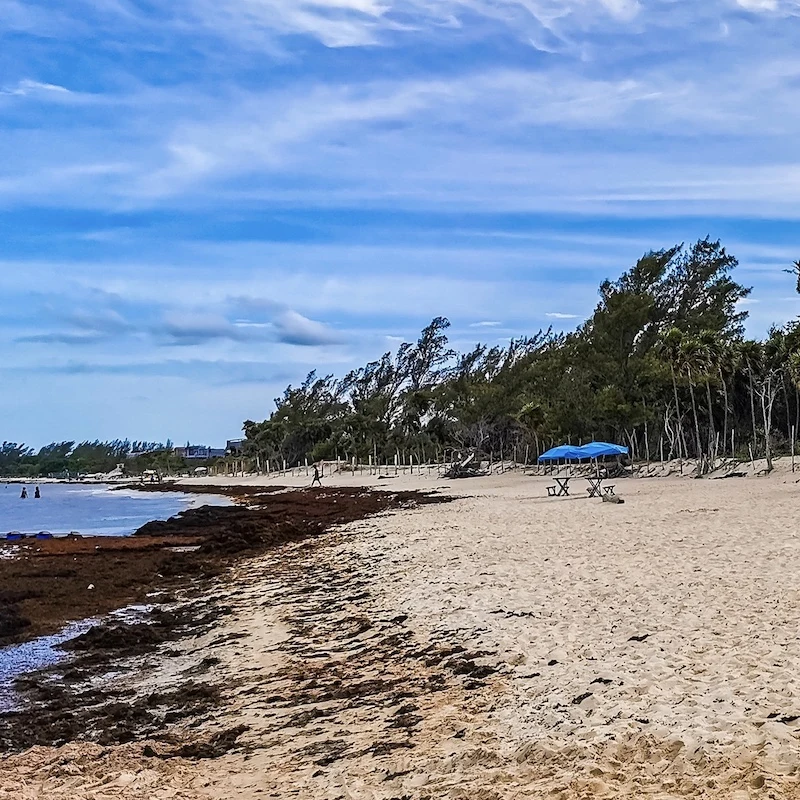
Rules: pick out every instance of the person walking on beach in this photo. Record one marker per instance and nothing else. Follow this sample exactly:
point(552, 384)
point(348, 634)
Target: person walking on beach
point(24, 495)
point(36, 493)
point(317, 477)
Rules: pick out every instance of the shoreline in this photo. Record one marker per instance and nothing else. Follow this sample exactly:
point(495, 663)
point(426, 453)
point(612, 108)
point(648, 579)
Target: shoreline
point(367, 475)
point(145, 569)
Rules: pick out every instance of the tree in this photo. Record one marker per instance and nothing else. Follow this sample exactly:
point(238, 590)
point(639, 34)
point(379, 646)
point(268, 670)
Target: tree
point(750, 354)
point(670, 349)
point(692, 362)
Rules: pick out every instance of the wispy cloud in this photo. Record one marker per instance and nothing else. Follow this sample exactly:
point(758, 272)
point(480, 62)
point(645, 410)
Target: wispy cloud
point(65, 338)
point(27, 87)
point(783, 7)
point(166, 325)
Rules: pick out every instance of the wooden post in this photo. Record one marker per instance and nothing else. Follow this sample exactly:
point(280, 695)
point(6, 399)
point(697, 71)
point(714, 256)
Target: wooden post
point(661, 447)
point(752, 460)
point(793, 432)
point(527, 450)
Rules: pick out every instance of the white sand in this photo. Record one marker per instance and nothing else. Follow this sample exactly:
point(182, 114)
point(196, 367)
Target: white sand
point(704, 573)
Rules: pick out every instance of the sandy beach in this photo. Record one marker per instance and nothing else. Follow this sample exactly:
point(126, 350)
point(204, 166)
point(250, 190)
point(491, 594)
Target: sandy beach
point(502, 645)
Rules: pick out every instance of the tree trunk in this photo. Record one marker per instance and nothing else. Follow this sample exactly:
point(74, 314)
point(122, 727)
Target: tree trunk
point(766, 403)
point(698, 441)
point(752, 402)
point(796, 409)
point(725, 412)
point(712, 434)
point(677, 409)
point(786, 400)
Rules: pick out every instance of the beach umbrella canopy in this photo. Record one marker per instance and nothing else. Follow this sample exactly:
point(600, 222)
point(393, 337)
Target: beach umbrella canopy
point(565, 451)
point(600, 449)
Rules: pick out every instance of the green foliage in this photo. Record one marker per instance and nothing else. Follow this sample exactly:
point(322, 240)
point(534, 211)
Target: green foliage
point(86, 458)
point(660, 365)
point(661, 359)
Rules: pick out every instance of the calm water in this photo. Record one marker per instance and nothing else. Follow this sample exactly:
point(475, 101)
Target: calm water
point(90, 510)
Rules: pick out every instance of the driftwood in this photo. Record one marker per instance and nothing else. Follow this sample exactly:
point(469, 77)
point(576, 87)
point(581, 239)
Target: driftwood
point(612, 498)
point(465, 469)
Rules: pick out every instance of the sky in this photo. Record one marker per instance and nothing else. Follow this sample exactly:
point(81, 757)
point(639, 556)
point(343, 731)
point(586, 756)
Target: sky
point(202, 200)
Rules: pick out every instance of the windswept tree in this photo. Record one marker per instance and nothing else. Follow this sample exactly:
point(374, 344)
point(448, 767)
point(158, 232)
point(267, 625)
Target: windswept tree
point(663, 356)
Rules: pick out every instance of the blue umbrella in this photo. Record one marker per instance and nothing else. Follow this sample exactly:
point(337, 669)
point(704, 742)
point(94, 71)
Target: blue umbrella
point(565, 451)
point(600, 449)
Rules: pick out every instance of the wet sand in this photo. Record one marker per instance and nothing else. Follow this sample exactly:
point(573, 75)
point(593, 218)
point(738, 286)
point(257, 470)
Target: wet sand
point(503, 645)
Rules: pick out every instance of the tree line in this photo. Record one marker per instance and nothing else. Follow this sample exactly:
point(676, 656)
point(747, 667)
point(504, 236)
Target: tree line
point(71, 459)
point(662, 365)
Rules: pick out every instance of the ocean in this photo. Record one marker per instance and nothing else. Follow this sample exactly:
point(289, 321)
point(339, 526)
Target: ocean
point(92, 510)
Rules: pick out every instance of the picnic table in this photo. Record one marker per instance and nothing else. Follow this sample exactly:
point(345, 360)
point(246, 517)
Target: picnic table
point(562, 488)
point(595, 489)
point(595, 486)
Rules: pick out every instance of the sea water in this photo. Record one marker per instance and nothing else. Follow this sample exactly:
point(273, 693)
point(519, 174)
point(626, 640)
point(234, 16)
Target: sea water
point(91, 510)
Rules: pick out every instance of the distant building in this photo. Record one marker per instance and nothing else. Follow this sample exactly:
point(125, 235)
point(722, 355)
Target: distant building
point(234, 447)
point(198, 452)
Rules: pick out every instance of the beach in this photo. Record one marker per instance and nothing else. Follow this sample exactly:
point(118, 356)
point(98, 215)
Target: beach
point(505, 644)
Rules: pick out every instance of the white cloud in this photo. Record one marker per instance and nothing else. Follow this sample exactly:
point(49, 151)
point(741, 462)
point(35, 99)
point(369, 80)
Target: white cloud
point(758, 5)
point(293, 328)
point(351, 23)
point(28, 87)
point(486, 324)
point(560, 315)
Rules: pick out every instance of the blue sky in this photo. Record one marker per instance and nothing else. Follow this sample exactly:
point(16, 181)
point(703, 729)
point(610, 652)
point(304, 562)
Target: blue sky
point(201, 200)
